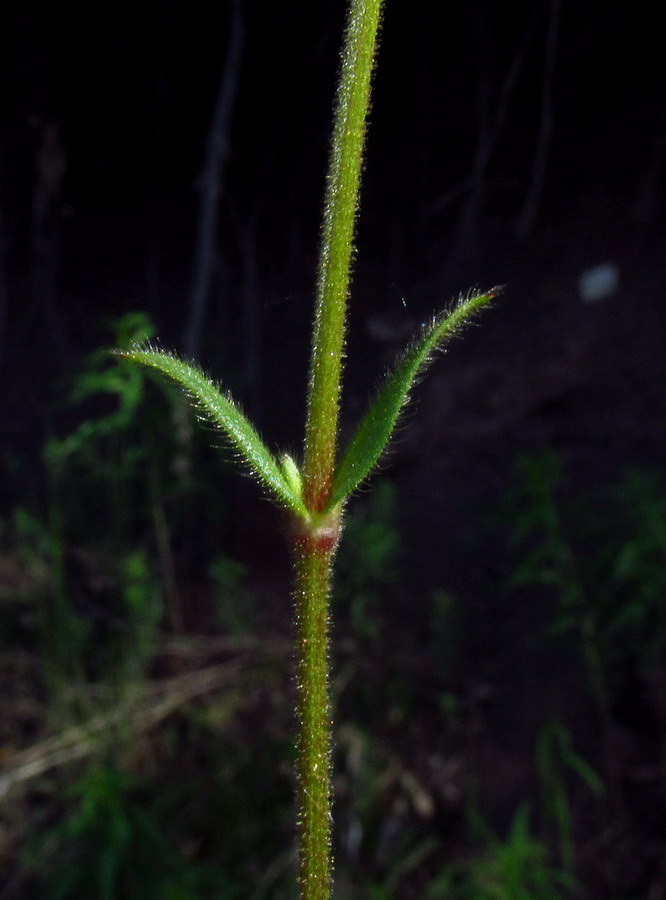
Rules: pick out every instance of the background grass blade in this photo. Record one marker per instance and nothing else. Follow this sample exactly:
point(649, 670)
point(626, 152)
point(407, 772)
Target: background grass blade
point(223, 412)
point(375, 429)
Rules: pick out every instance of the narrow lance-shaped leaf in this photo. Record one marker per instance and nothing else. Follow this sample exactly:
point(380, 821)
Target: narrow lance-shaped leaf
point(223, 412)
point(375, 429)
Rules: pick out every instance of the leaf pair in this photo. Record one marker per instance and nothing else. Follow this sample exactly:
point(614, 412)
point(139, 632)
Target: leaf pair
point(282, 478)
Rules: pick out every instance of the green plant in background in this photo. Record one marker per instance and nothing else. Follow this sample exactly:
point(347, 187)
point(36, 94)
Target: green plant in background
point(525, 865)
point(121, 457)
point(110, 482)
point(631, 572)
point(91, 471)
point(92, 575)
point(382, 811)
point(380, 837)
point(234, 603)
point(604, 556)
point(551, 560)
point(556, 758)
point(36, 608)
point(113, 844)
point(516, 868)
point(314, 492)
point(142, 604)
point(368, 560)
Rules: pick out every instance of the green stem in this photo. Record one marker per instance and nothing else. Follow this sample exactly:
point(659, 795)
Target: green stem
point(315, 538)
point(341, 203)
point(313, 555)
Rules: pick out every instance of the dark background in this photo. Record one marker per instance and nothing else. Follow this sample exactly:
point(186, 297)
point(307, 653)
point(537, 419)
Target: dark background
point(517, 144)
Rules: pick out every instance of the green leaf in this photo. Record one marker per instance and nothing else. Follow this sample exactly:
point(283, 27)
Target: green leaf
point(292, 474)
point(374, 431)
point(224, 413)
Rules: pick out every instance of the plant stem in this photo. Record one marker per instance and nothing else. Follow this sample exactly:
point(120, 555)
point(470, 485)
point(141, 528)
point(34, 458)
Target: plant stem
point(313, 556)
point(342, 189)
point(314, 540)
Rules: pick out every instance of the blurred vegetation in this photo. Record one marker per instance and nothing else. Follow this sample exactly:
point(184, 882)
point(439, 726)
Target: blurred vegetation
point(144, 737)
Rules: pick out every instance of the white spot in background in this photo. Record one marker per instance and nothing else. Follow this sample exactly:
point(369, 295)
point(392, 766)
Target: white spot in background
point(598, 282)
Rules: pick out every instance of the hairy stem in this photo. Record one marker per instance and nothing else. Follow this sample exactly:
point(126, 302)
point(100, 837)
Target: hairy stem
point(340, 207)
point(315, 537)
point(313, 552)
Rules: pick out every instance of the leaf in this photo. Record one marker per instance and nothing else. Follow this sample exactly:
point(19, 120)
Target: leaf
point(224, 413)
point(292, 474)
point(375, 429)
